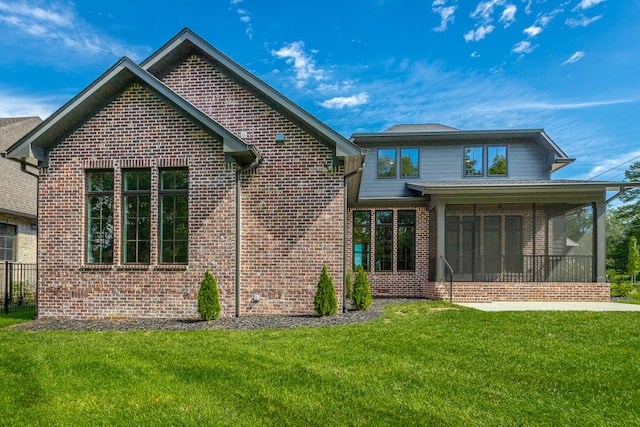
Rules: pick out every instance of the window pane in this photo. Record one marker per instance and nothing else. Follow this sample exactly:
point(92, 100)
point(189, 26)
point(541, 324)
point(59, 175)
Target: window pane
point(386, 163)
point(361, 239)
point(384, 240)
point(406, 240)
point(473, 161)
point(174, 216)
point(100, 181)
point(100, 218)
point(409, 160)
point(137, 228)
point(497, 158)
point(7, 241)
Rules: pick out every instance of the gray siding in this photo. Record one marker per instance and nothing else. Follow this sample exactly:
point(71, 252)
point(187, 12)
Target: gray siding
point(443, 162)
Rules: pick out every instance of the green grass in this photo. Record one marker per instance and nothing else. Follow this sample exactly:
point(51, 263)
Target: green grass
point(17, 316)
point(422, 364)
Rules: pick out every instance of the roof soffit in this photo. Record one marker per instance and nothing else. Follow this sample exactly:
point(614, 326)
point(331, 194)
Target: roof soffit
point(187, 43)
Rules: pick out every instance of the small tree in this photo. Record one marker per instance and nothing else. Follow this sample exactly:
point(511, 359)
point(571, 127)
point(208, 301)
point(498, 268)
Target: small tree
point(325, 302)
point(208, 298)
point(361, 297)
point(633, 265)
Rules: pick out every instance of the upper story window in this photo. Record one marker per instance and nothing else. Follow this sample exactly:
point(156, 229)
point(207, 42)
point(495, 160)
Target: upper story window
point(388, 164)
point(495, 165)
point(7, 242)
point(497, 160)
point(409, 163)
point(100, 216)
point(473, 161)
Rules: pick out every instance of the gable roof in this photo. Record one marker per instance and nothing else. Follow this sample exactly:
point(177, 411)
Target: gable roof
point(102, 91)
point(18, 190)
point(187, 43)
point(441, 133)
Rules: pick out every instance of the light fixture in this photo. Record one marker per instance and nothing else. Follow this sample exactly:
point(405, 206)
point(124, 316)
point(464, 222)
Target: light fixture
point(279, 138)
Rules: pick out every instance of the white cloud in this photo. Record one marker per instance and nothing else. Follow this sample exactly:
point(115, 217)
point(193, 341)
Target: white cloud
point(475, 54)
point(586, 4)
point(340, 102)
point(16, 105)
point(532, 31)
point(303, 64)
point(508, 15)
point(244, 18)
point(446, 16)
point(56, 26)
point(574, 58)
point(523, 47)
point(479, 33)
point(548, 106)
point(581, 21)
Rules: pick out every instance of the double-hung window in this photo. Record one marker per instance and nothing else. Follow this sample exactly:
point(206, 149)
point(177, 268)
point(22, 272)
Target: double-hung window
point(497, 160)
point(174, 215)
point(473, 161)
point(7, 242)
point(99, 216)
point(136, 201)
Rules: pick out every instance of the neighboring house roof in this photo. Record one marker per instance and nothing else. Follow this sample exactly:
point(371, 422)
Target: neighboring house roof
point(18, 190)
point(61, 123)
point(440, 133)
point(187, 43)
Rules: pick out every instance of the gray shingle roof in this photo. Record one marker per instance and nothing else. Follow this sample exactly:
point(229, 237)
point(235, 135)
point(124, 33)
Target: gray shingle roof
point(18, 190)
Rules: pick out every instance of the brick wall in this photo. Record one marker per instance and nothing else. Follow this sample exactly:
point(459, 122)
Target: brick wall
point(519, 291)
point(26, 237)
point(397, 283)
point(292, 208)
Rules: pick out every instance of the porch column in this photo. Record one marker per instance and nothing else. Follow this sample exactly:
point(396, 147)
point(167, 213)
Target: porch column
point(600, 242)
point(440, 240)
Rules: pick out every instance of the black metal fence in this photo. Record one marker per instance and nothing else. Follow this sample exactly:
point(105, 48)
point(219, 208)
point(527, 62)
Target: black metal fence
point(19, 282)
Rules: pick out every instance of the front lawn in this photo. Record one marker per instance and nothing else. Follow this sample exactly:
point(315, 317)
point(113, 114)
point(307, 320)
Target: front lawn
point(422, 364)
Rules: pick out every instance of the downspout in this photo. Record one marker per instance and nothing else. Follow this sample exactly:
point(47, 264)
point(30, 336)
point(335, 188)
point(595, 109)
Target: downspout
point(344, 236)
point(253, 164)
point(618, 194)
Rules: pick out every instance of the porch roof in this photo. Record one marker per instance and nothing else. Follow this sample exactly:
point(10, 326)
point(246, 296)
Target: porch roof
point(517, 187)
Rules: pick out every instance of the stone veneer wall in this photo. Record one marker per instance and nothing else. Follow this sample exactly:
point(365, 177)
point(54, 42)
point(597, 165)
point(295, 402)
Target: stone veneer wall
point(26, 237)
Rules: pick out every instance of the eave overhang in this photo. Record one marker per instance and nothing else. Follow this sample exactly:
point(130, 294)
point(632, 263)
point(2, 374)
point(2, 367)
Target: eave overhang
point(187, 43)
point(539, 136)
point(125, 72)
point(503, 188)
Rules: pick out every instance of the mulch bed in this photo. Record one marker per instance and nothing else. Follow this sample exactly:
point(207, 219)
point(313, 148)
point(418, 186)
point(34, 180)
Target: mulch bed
point(227, 323)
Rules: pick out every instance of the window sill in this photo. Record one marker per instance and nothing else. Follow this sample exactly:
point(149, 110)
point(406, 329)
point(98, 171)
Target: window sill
point(171, 267)
point(97, 267)
point(133, 267)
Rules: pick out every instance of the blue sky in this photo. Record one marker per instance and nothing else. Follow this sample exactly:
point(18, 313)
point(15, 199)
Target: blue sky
point(570, 67)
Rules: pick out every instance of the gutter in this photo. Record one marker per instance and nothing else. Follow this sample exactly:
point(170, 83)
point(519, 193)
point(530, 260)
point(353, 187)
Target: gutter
point(618, 194)
point(344, 237)
point(252, 165)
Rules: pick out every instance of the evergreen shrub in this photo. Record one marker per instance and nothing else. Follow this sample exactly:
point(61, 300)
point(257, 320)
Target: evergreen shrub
point(361, 297)
point(208, 298)
point(325, 302)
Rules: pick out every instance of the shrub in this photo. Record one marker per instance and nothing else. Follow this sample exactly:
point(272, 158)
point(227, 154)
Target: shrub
point(208, 298)
point(621, 289)
point(325, 302)
point(361, 296)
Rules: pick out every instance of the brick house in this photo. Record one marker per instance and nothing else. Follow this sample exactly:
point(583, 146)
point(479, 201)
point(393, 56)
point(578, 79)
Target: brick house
point(18, 196)
point(187, 162)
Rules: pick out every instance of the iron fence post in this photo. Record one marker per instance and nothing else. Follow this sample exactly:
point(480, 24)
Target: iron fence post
point(6, 287)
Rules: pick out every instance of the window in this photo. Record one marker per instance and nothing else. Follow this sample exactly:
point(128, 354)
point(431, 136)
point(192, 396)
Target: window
point(100, 217)
point(409, 163)
point(497, 160)
point(7, 242)
point(473, 163)
point(406, 258)
point(136, 196)
point(387, 163)
point(174, 215)
point(384, 240)
point(513, 244)
point(361, 239)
